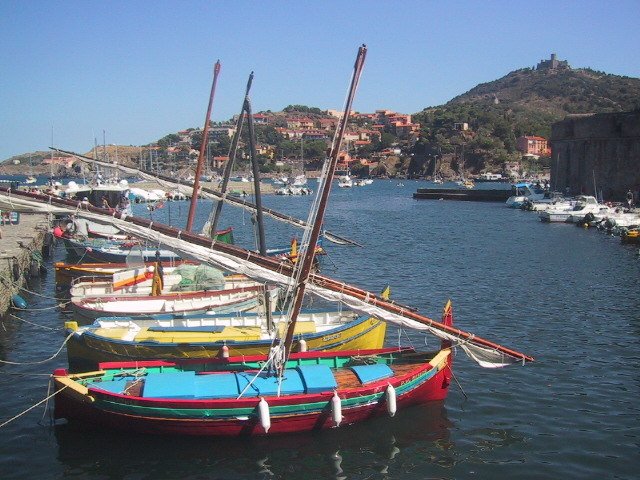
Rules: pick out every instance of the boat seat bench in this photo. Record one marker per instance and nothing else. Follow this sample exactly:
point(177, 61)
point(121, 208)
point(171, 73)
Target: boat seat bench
point(371, 373)
point(188, 385)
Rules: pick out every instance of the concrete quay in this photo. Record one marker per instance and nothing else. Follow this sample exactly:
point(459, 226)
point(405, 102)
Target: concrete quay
point(18, 246)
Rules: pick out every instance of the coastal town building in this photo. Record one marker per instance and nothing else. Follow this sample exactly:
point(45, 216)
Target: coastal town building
point(220, 161)
point(533, 145)
point(261, 119)
point(216, 133)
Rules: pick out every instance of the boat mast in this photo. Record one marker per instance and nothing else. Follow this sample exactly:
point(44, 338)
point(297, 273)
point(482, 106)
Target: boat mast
point(229, 165)
point(256, 176)
point(303, 268)
point(262, 243)
point(203, 143)
point(51, 164)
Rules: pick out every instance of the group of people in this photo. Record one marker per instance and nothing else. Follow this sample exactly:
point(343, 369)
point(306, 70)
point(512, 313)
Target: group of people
point(124, 205)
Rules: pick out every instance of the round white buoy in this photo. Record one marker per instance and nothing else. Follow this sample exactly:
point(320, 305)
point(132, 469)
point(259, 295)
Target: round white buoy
point(263, 414)
point(391, 400)
point(302, 345)
point(336, 409)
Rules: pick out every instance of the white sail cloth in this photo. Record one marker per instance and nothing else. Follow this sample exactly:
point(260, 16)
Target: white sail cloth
point(483, 355)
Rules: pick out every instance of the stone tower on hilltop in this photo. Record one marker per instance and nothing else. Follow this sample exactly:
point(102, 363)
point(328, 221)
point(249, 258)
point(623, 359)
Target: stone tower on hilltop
point(553, 64)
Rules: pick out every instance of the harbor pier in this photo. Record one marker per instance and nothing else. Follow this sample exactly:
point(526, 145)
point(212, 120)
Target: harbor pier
point(21, 246)
point(479, 195)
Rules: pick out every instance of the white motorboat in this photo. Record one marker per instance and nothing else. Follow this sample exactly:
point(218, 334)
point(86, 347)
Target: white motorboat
point(553, 200)
point(522, 193)
point(619, 219)
point(345, 181)
point(584, 204)
point(293, 190)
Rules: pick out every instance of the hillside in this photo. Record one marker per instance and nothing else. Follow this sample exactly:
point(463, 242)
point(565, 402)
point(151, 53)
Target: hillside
point(523, 102)
point(20, 164)
point(474, 132)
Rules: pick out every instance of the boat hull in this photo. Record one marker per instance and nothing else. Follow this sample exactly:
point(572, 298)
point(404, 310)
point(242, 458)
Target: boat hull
point(66, 273)
point(87, 310)
point(113, 254)
point(85, 351)
point(425, 379)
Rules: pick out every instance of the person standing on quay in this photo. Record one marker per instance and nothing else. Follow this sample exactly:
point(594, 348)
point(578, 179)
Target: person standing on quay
point(630, 198)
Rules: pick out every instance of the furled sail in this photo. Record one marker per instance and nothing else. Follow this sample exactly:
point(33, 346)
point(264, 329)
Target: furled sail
point(186, 188)
point(236, 259)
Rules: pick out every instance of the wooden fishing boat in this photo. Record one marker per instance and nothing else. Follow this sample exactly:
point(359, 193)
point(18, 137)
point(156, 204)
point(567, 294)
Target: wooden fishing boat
point(182, 278)
point(284, 391)
point(109, 251)
point(86, 310)
point(118, 274)
point(237, 396)
point(169, 338)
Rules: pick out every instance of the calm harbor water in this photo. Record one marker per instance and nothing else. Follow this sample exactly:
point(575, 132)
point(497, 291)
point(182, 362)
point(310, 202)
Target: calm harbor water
point(567, 296)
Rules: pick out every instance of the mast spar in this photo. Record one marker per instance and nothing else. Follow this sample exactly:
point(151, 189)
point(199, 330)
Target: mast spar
point(303, 268)
point(228, 168)
point(203, 144)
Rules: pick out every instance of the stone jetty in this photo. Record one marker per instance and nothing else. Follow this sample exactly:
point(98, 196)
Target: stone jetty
point(21, 243)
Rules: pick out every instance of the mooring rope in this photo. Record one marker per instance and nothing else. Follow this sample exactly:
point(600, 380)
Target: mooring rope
point(46, 399)
point(60, 305)
point(31, 323)
point(39, 362)
point(31, 292)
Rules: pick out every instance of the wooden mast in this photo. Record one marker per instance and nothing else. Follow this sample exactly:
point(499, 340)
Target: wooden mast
point(229, 165)
point(203, 146)
point(262, 242)
point(304, 266)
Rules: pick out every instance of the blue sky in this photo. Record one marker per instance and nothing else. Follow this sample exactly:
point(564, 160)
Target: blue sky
point(142, 69)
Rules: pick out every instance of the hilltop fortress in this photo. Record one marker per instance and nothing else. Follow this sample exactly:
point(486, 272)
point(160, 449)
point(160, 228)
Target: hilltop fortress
point(553, 64)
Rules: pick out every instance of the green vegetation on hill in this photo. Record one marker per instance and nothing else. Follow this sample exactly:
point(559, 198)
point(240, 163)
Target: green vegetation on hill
point(524, 102)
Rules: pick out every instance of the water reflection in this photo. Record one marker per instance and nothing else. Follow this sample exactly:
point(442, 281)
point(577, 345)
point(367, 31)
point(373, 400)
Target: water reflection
point(415, 436)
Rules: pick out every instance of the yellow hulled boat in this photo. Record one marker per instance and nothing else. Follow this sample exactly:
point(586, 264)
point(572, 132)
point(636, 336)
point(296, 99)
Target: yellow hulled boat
point(119, 339)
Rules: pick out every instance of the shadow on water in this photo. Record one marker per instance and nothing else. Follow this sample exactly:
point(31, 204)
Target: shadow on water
point(418, 435)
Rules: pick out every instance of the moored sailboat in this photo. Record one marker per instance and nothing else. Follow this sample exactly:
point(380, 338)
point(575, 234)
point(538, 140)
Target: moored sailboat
point(284, 391)
point(169, 337)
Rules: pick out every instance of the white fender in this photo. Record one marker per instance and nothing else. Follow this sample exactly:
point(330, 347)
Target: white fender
point(263, 414)
point(302, 345)
point(224, 352)
point(391, 400)
point(336, 409)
